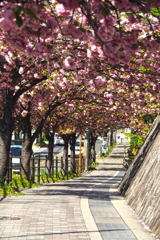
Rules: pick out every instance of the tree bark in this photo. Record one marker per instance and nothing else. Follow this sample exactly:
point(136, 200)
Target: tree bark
point(65, 157)
point(93, 139)
point(26, 146)
point(6, 119)
point(73, 163)
point(5, 141)
point(6, 128)
point(28, 139)
point(50, 160)
point(93, 148)
point(66, 138)
point(111, 136)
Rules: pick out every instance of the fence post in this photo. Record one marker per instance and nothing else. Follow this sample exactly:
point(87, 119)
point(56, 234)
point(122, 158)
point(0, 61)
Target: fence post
point(7, 174)
point(100, 151)
point(32, 168)
point(20, 164)
point(56, 167)
point(39, 168)
point(62, 163)
point(82, 164)
point(46, 164)
point(77, 165)
point(52, 167)
point(67, 167)
point(10, 168)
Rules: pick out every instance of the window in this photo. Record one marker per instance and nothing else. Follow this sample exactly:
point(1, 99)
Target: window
point(77, 144)
point(16, 152)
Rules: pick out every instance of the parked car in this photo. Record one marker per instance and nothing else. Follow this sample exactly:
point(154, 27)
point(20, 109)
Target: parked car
point(59, 141)
point(15, 142)
point(76, 148)
point(16, 153)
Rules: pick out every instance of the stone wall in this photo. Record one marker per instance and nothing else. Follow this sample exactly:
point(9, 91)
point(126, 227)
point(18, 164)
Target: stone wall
point(141, 183)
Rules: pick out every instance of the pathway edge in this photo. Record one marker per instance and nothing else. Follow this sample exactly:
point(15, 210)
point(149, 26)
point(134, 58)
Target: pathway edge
point(88, 217)
point(128, 216)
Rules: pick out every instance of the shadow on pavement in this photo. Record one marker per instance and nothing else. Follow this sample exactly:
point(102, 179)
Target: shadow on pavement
point(78, 188)
point(61, 233)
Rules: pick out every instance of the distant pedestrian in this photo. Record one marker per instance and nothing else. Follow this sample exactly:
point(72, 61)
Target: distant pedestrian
point(121, 137)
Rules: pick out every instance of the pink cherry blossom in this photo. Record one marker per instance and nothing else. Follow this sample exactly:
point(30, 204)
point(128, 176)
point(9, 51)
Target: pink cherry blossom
point(69, 63)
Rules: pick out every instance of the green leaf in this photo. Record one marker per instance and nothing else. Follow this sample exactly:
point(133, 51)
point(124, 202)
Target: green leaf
point(29, 12)
point(16, 12)
point(105, 11)
point(127, 13)
point(155, 12)
point(142, 68)
point(139, 13)
point(19, 21)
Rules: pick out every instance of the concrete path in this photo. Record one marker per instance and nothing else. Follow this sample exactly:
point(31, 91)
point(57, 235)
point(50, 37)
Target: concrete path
point(83, 208)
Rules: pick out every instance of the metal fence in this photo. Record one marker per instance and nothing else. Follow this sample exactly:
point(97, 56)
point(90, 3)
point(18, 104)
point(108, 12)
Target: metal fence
point(38, 163)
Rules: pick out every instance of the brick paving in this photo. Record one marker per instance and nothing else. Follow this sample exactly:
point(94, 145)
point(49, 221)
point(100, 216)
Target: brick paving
point(54, 212)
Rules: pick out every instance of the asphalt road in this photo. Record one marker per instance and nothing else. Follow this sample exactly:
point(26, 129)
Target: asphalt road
point(58, 150)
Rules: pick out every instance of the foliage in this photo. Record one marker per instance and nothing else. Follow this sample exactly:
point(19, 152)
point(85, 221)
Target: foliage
point(8, 190)
point(20, 181)
point(48, 178)
point(94, 163)
point(44, 138)
point(135, 142)
point(91, 168)
point(90, 50)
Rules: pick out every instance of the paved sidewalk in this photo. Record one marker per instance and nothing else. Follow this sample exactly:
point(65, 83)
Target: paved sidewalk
point(83, 208)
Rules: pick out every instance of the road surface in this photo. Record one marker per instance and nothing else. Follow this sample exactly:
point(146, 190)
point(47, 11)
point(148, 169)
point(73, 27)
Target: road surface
point(58, 150)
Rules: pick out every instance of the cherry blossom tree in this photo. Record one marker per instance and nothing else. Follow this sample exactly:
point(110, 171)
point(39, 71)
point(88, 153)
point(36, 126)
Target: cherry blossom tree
point(109, 47)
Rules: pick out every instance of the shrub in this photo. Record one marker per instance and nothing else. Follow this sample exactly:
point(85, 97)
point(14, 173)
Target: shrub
point(95, 163)
point(135, 141)
point(91, 168)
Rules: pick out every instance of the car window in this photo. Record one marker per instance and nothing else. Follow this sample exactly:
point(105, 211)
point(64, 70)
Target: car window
point(77, 144)
point(15, 142)
point(16, 152)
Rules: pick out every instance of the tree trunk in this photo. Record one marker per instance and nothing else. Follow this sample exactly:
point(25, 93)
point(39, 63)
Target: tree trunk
point(93, 148)
point(111, 136)
point(66, 138)
point(5, 141)
point(73, 163)
point(50, 160)
point(6, 128)
point(26, 147)
point(28, 139)
point(93, 139)
point(65, 157)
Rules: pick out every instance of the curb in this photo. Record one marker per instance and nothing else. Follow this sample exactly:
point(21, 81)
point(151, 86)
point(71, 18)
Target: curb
point(128, 215)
